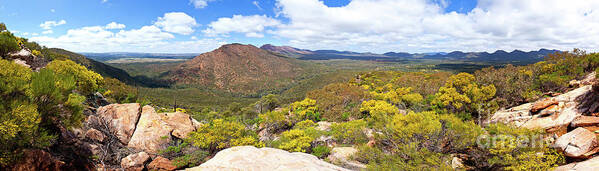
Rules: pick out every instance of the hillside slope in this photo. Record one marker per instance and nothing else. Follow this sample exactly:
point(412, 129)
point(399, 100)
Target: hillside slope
point(98, 67)
point(237, 68)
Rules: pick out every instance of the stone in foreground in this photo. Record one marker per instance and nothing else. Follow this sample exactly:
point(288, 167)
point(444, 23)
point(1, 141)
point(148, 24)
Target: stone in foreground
point(249, 158)
point(577, 143)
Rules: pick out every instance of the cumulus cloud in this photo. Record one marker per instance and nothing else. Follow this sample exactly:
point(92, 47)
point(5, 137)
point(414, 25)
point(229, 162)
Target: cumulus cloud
point(177, 22)
point(49, 24)
point(200, 3)
point(257, 4)
point(114, 25)
point(48, 32)
point(251, 26)
point(422, 26)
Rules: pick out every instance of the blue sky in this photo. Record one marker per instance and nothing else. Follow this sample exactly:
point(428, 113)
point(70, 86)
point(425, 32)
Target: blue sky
point(358, 25)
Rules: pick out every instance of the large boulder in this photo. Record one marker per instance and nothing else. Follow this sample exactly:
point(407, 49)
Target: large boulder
point(181, 123)
point(579, 143)
point(341, 156)
point(542, 104)
point(517, 115)
point(252, 158)
point(121, 118)
point(590, 164)
point(161, 164)
point(152, 132)
point(94, 134)
point(135, 162)
point(584, 121)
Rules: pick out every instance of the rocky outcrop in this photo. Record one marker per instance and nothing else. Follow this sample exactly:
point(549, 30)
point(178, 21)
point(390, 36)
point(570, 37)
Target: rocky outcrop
point(161, 164)
point(591, 164)
point(95, 135)
point(152, 132)
point(341, 156)
point(122, 117)
point(579, 143)
point(135, 162)
point(585, 121)
point(252, 158)
point(181, 123)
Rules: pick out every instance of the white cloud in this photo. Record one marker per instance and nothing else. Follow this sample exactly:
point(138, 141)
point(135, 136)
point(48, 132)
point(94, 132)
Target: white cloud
point(423, 26)
point(52, 10)
point(104, 1)
point(48, 32)
point(114, 25)
point(177, 22)
point(252, 26)
point(145, 39)
point(200, 3)
point(49, 24)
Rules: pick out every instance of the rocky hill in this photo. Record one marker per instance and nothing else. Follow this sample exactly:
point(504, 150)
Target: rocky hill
point(286, 50)
point(237, 68)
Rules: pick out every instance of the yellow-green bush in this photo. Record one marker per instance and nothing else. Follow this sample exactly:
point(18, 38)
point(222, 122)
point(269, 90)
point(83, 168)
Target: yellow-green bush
point(295, 140)
point(305, 109)
point(87, 81)
point(351, 132)
point(221, 134)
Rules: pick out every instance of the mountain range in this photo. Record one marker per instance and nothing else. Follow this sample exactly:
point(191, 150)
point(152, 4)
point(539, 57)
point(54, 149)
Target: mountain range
point(516, 56)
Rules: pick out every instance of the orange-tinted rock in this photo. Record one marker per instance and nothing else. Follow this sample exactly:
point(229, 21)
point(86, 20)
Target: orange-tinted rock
point(542, 104)
point(590, 164)
point(583, 121)
point(96, 135)
point(161, 164)
point(152, 132)
point(181, 123)
point(122, 119)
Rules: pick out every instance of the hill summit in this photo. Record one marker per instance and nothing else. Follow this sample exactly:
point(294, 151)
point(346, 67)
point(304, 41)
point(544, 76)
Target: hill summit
point(236, 68)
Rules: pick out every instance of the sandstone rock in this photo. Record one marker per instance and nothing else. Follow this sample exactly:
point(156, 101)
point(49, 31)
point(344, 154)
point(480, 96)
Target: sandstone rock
point(152, 133)
point(135, 161)
point(122, 118)
point(566, 114)
point(251, 158)
point(324, 126)
point(517, 115)
point(94, 134)
point(196, 124)
point(542, 104)
point(161, 164)
point(341, 156)
point(577, 143)
point(181, 123)
point(34, 160)
point(590, 164)
point(583, 121)
point(457, 163)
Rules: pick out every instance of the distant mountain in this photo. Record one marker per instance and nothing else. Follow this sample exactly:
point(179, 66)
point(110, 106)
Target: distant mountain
point(500, 56)
point(98, 67)
point(118, 55)
point(286, 50)
point(237, 68)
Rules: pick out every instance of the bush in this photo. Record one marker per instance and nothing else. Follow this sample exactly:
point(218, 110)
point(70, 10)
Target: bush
point(508, 153)
point(220, 134)
point(351, 132)
point(87, 81)
point(191, 160)
point(336, 99)
point(321, 151)
point(119, 92)
point(305, 109)
point(295, 140)
point(8, 43)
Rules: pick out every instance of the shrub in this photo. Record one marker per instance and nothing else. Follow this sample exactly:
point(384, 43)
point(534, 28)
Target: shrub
point(295, 140)
point(119, 92)
point(195, 158)
point(321, 151)
point(351, 132)
point(305, 109)
point(337, 99)
point(87, 81)
point(461, 94)
point(379, 112)
point(8, 43)
point(220, 134)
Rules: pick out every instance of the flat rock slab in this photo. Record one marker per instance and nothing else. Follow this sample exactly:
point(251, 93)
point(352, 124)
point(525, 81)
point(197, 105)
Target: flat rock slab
point(152, 133)
point(122, 118)
point(583, 121)
point(249, 158)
